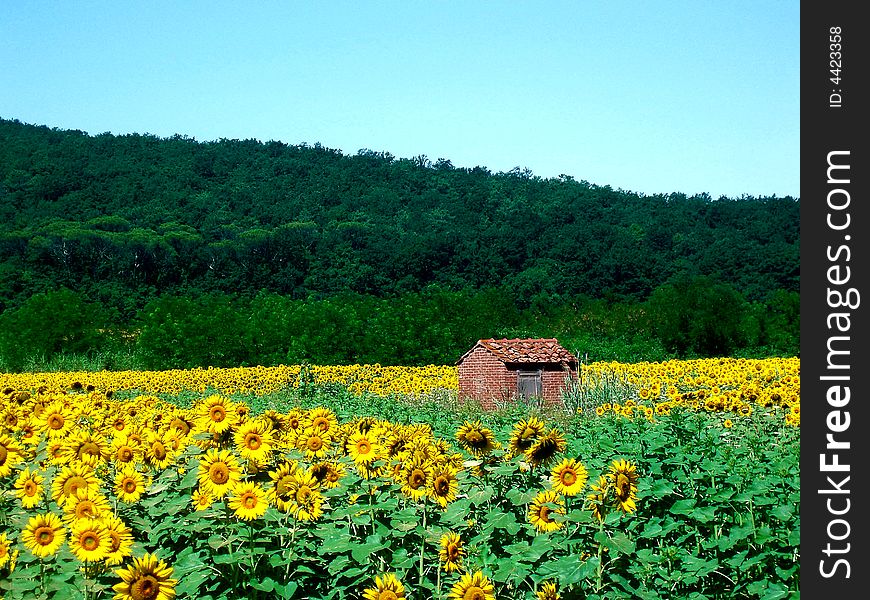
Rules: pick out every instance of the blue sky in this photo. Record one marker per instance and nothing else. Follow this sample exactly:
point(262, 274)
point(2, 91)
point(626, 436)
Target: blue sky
point(650, 97)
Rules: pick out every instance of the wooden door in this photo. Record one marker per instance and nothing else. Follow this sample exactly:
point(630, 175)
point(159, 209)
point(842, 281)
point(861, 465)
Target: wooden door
point(529, 384)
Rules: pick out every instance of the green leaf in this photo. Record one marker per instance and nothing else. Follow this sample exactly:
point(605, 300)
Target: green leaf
point(497, 519)
point(704, 514)
point(621, 543)
point(651, 530)
point(783, 512)
point(683, 507)
point(267, 585)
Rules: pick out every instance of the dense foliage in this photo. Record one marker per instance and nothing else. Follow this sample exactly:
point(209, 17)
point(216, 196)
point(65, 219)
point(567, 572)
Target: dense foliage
point(133, 223)
point(688, 488)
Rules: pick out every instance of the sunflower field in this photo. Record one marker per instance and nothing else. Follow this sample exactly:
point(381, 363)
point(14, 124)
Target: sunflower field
point(658, 480)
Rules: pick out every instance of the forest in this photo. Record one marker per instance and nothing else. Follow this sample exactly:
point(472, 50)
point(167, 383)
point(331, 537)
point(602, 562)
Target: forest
point(184, 253)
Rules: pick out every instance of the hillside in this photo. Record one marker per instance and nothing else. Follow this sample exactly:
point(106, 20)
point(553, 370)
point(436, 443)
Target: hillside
point(127, 220)
point(175, 215)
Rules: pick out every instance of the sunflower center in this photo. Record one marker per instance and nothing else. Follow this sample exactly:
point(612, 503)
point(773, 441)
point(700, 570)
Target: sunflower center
point(89, 541)
point(158, 450)
point(249, 500)
point(86, 509)
point(129, 486)
point(474, 593)
point(282, 486)
point(442, 486)
point(315, 443)
point(44, 535)
point(30, 488)
point(321, 423)
point(363, 447)
point(119, 425)
point(416, 479)
point(3, 454)
point(89, 448)
point(145, 588)
point(253, 441)
point(217, 414)
point(623, 485)
point(544, 514)
point(219, 473)
point(55, 421)
point(72, 485)
point(115, 541)
point(303, 494)
point(387, 595)
point(125, 454)
point(454, 553)
point(569, 477)
point(474, 437)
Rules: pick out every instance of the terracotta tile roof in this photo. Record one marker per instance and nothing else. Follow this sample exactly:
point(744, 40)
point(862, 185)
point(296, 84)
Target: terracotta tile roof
point(517, 350)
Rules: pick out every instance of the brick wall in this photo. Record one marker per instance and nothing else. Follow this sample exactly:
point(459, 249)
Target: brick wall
point(486, 379)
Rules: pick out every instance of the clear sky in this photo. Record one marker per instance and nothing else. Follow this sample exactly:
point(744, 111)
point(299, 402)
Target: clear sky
point(651, 97)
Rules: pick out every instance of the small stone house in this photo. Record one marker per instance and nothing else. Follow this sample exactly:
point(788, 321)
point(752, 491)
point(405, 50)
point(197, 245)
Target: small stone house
point(504, 369)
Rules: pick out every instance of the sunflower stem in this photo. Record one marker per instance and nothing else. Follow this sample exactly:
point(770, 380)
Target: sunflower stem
point(422, 546)
point(600, 583)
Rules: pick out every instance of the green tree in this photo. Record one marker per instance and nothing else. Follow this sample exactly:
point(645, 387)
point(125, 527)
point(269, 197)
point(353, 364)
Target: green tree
point(47, 324)
point(698, 316)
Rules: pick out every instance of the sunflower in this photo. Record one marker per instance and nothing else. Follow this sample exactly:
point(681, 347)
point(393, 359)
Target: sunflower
point(148, 578)
point(248, 501)
point(362, 449)
point(451, 552)
point(387, 587)
point(218, 472)
point(314, 443)
point(120, 540)
point(524, 434)
point(546, 448)
point(254, 441)
point(282, 477)
point(596, 499)
point(303, 497)
point(129, 485)
point(201, 500)
point(476, 439)
point(548, 591)
point(5, 544)
point(444, 486)
point(216, 414)
point(88, 447)
point(623, 478)
point(327, 473)
point(43, 534)
point(416, 478)
point(158, 451)
point(546, 504)
point(294, 421)
point(569, 477)
point(29, 488)
point(89, 540)
point(10, 455)
point(56, 420)
point(476, 586)
point(728, 424)
point(71, 479)
point(85, 504)
point(322, 419)
point(124, 451)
